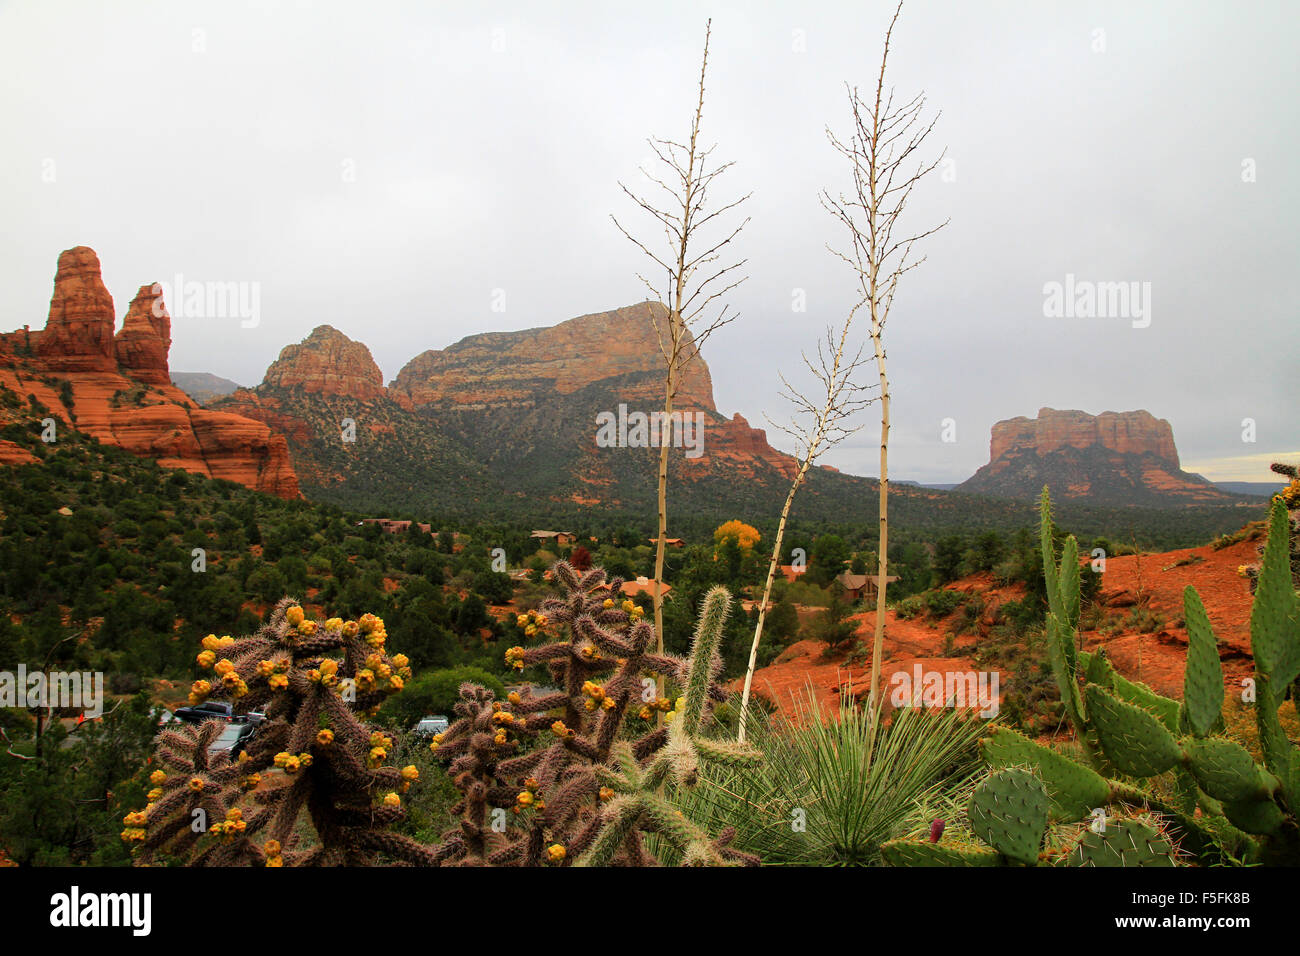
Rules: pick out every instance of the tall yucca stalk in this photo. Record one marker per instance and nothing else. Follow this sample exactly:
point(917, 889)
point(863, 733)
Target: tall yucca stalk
point(826, 415)
point(884, 138)
point(687, 299)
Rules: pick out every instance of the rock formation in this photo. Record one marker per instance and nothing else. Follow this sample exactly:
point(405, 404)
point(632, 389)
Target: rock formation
point(118, 391)
point(1128, 433)
point(511, 368)
point(1115, 458)
point(330, 363)
point(145, 338)
point(78, 334)
point(507, 415)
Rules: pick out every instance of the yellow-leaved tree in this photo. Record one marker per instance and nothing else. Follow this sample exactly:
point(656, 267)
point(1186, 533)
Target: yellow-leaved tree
point(745, 536)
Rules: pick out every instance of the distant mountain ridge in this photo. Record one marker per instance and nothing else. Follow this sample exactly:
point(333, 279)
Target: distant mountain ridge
point(498, 424)
point(1262, 489)
point(203, 387)
point(513, 414)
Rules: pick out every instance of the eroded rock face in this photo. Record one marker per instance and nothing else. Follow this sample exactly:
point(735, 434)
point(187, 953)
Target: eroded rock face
point(78, 334)
point(145, 338)
point(330, 363)
point(1128, 433)
point(117, 389)
point(511, 368)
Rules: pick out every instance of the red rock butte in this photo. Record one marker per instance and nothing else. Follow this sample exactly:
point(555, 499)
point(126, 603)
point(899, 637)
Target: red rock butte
point(497, 369)
point(78, 334)
point(330, 363)
point(119, 390)
point(1128, 433)
point(1116, 458)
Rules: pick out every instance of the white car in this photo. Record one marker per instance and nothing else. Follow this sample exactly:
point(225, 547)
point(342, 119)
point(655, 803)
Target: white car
point(428, 726)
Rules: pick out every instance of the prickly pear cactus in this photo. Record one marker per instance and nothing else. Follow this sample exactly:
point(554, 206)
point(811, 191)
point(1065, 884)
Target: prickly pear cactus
point(1123, 842)
point(1225, 808)
point(1009, 811)
point(1127, 729)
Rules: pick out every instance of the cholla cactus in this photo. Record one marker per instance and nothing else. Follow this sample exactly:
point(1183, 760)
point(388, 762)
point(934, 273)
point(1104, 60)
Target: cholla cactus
point(313, 753)
point(591, 793)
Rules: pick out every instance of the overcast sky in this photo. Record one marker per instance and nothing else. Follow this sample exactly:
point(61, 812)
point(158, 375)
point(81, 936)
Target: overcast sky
point(386, 168)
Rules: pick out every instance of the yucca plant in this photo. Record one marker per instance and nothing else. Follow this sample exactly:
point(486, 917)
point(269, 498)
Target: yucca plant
point(835, 786)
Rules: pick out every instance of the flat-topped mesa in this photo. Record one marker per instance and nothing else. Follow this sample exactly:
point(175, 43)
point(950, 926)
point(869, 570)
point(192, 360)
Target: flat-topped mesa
point(1112, 459)
point(78, 334)
point(1128, 433)
point(329, 363)
point(142, 344)
point(513, 368)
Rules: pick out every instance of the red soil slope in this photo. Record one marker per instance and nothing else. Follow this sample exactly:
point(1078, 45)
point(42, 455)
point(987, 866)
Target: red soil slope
point(1151, 649)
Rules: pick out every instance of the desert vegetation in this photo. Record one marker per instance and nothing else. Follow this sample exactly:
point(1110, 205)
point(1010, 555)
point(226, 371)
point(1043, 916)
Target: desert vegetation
point(822, 672)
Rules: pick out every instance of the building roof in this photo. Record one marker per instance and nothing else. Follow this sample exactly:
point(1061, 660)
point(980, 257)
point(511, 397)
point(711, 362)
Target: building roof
point(855, 582)
point(642, 586)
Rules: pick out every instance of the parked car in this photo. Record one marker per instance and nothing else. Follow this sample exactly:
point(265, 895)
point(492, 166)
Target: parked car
point(257, 717)
point(163, 718)
point(209, 710)
point(428, 726)
point(233, 737)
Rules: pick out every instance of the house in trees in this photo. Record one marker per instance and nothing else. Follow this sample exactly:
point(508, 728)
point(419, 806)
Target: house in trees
point(862, 586)
point(560, 538)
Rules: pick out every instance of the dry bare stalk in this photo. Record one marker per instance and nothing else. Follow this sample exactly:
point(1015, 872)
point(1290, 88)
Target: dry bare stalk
point(885, 170)
point(835, 370)
point(688, 300)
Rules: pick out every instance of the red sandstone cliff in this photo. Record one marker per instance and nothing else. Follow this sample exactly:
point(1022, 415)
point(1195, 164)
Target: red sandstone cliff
point(507, 368)
point(620, 347)
point(118, 390)
point(1115, 458)
point(78, 334)
point(142, 345)
point(1128, 433)
point(328, 362)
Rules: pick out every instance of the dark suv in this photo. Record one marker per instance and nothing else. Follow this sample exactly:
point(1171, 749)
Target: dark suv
point(211, 710)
